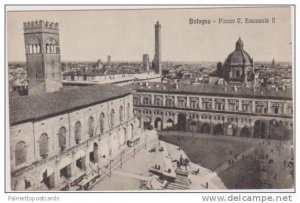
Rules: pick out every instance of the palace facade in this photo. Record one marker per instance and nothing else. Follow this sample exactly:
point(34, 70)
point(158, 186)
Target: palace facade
point(215, 109)
point(66, 135)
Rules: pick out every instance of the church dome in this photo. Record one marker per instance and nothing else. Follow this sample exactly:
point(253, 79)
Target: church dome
point(239, 56)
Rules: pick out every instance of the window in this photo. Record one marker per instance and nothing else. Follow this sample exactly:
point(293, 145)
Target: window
point(102, 122)
point(146, 101)
point(20, 153)
point(44, 145)
point(170, 101)
point(91, 126)
point(51, 48)
point(128, 111)
point(136, 100)
point(112, 117)
point(47, 48)
point(219, 106)
point(121, 114)
point(247, 106)
point(77, 132)
point(30, 49)
point(207, 105)
point(158, 101)
point(62, 138)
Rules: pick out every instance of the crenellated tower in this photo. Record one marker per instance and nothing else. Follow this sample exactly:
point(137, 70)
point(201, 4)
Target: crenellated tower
point(42, 57)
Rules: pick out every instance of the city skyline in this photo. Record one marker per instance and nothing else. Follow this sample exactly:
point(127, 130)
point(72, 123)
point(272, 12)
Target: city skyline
point(88, 42)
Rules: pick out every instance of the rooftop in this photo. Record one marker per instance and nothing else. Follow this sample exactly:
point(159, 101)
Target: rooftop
point(213, 90)
point(28, 108)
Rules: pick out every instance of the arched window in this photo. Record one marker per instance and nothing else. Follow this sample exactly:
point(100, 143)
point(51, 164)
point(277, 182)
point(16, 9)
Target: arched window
point(128, 111)
point(38, 48)
point(20, 153)
point(121, 114)
point(30, 48)
point(51, 48)
point(77, 132)
point(34, 49)
point(44, 145)
point(91, 126)
point(62, 140)
point(47, 48)
point(112, 117)
point(102, 122)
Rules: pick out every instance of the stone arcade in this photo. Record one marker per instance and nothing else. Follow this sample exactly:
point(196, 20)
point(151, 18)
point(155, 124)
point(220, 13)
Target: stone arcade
point(215, 109)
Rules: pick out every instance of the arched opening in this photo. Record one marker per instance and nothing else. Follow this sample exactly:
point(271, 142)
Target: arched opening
point(260, 129)
point(277, 130)
point(205, 128)
point(147, 122)
point(62, 138)
point(20, 153)
point(121, 114)
point(91, 126)
point(132, 130)
point(77, 132)
point(112, 117)
point(30, 49)
point(128, 111)
point(44, 145)
point(80, 158)
point(38, 48)
point(158, 124)
point(34, 49)
point(48, 178)
point(181, 122)
point(125, 135)
point(47, 48)
point(26, 183)
point(51, 48)
point(94, 154)
point(102, 122)
point(170, 123)
point(245, 132)
point(139, 122)
point(231, 130)
point(65, 168)
point(193, 126)
point(218, 129)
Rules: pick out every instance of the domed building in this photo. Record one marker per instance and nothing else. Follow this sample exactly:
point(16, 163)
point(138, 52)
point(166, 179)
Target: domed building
point(238, 66)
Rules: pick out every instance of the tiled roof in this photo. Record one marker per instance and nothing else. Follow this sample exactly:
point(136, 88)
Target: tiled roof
point(214, 90)
point(26, 108)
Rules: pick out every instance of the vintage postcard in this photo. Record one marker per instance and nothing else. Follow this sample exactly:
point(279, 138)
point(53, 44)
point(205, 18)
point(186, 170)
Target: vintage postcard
point(150, 99)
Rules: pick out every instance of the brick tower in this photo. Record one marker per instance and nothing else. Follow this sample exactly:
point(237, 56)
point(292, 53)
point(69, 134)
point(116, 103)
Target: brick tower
point(157, 55)
point(42, 57)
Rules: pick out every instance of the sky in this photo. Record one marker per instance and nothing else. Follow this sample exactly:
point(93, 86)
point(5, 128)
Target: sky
point(89, 35)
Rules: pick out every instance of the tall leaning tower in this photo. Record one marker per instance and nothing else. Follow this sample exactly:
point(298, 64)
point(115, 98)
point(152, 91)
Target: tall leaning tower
point(157, 55)
point(42, 57)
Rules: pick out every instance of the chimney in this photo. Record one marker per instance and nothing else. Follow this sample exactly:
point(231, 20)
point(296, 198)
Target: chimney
point(177, 86)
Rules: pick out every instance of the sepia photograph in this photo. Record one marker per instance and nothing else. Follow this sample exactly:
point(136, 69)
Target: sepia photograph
point(150, 99)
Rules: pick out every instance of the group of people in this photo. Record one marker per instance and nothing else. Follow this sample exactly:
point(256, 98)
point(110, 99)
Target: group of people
point(185, 162)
